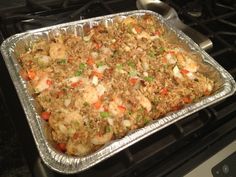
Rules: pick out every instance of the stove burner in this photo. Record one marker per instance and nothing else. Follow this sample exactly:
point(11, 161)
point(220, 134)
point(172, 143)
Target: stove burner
point(194, 8)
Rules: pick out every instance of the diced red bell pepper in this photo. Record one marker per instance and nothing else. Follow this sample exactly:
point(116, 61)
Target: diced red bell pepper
point(49, 82)
point(122, 108)
point(31, 74)
point(76, 84)
point(164, 60)
point(164, 91)
point(184, 71)
point(98, 74)
point(98, 104)
point(45, 115)
point(133, 81)
point(61, 147)
point(90, 61)
point(138, 29)
point(187, 100)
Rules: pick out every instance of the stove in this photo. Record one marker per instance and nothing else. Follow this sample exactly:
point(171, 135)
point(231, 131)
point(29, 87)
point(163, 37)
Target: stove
point(177, 150)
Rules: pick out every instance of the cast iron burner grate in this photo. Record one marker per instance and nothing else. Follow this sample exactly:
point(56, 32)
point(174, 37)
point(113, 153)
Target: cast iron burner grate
point(167, 150)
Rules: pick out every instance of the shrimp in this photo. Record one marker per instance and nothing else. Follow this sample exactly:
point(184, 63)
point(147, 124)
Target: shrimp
point(170, 59)
point(73, 117)
point(90, 95)
point(57, 51)
point(70, 124)
point(191, 65)
point(100, 140)
point(43, 60)
point(144, 101)
point(41, 82)
point(77, 148)
point(114, 107)
point(187, 63)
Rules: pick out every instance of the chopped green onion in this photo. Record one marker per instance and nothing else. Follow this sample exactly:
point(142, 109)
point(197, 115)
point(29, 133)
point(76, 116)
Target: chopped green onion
point(146, 121)
point(129, 112)
point(133, 73)
point(76, 124)
point(104, 114)
point(85, 104)
point(78, 73)
point(152, 54)
point(131, 64)
point(161, 49)
point(130, 26)
point(138, 118)
point(62, 61)
point(149, 78)
point(108, 129)
point(115, 54)
point(141, 110)
point(156, 101)
point(82, 66)
point(119, 66)
point(100, 64)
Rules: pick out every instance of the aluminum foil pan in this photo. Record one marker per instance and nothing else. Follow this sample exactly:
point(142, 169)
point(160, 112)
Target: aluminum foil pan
point(63, 163)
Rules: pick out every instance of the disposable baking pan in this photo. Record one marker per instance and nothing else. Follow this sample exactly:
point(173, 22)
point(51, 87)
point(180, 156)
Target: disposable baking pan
point(63, 163)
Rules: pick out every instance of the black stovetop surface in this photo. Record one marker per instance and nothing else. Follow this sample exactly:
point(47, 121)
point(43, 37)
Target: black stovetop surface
point(18, 153)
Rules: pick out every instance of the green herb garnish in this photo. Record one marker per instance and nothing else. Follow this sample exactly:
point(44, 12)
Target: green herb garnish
point(146, 121)
point(86, 104)
point(104, 114)
point(100, 64)
point(161, 49)
point(78, 73)
point(149, 78)
point(62, 61)
point(82, 66)
point(156, 101)
point(108, 129)
point(119, 66)
point(129, 112)
point(129, 28)
point(138, 118)
point(133, 73)
point(152, 54)
point(131, 64)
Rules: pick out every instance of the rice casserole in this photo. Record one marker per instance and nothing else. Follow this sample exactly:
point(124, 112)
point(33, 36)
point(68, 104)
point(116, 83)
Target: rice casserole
point(114, 79)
